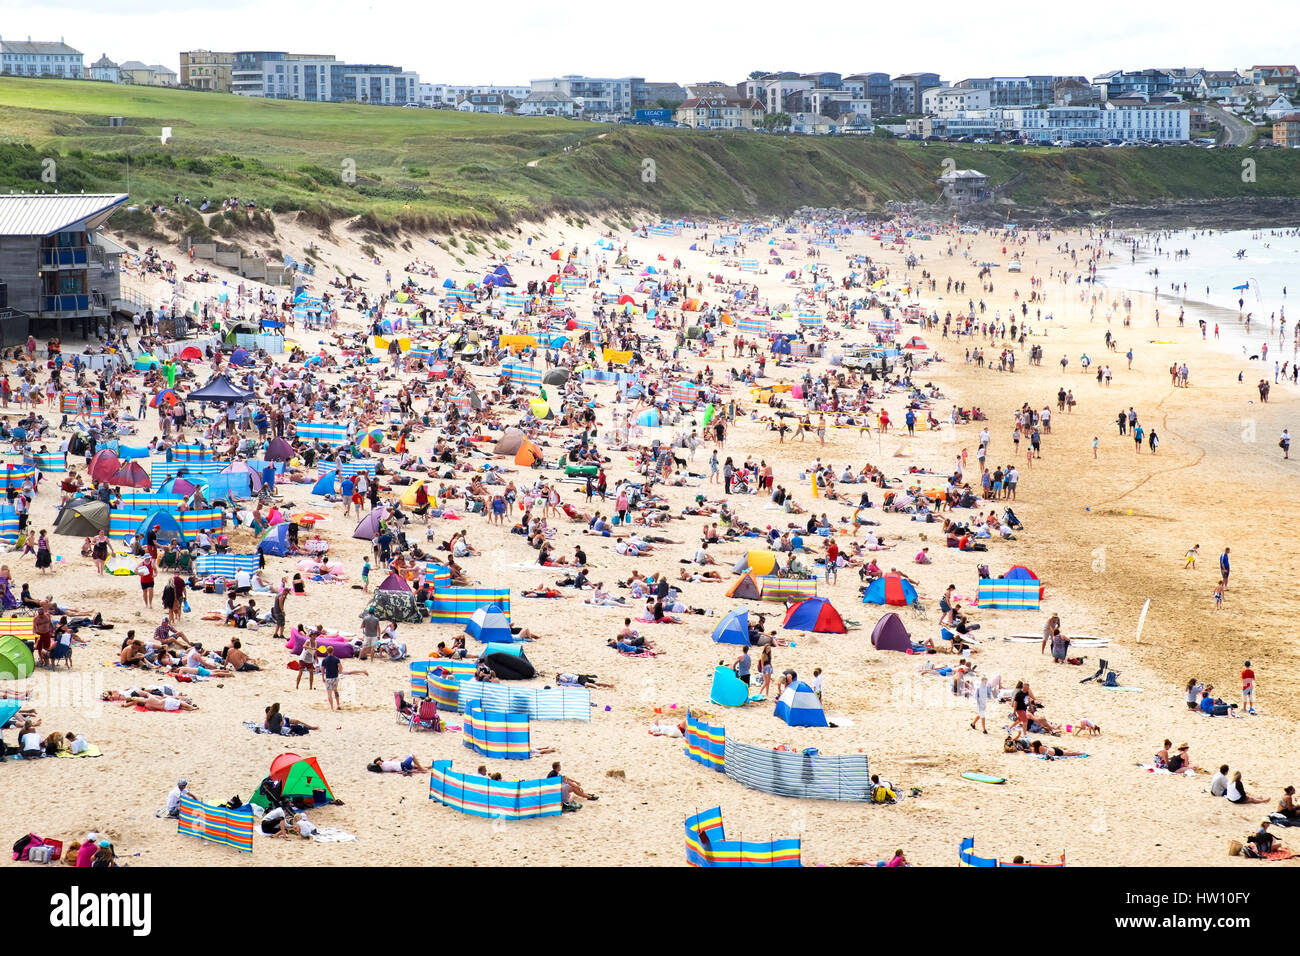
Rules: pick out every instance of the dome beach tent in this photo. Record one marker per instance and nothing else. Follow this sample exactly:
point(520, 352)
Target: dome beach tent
point(16, 660)
point(733, 629)
point(1021, 573)
point(168, 525)
point(746, 588)
point(891, 589)
point(799, 707)
point(299, 778)
point(275, 541)
point(368, 528)
point(82, 519)
point(395, 601)
point(325, 484)
point(130, 474)
point(509, 442)
point(759, 562)
point(489, 623)
point(277, 449)
point(890, 634)
point(814, 614)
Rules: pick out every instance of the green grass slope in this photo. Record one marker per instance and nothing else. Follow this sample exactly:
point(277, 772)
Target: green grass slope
point(439, 168)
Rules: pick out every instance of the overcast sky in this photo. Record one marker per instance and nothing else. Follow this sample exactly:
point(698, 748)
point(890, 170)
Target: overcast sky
point(509, 42)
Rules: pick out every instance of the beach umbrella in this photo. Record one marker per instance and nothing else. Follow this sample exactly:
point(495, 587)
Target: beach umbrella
point(83, 519)
point(277, 449)
point(489, 623)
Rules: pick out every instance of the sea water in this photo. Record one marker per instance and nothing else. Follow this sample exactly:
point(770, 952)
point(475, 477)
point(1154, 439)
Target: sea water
point(1250, 272)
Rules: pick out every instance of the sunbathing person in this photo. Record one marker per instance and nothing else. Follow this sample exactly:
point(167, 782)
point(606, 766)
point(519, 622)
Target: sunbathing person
point(582, 680)
point(403, 765)
point(684, 575)
point(160, 703)
point(1037, 747)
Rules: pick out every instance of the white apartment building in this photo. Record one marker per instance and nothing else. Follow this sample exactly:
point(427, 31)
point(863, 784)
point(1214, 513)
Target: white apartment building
point(1081, 123)
point(597, 95)
point(40, 58)
point(943, 100)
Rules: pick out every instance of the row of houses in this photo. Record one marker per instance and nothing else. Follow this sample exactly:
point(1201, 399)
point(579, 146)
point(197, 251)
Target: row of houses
point(48, 58)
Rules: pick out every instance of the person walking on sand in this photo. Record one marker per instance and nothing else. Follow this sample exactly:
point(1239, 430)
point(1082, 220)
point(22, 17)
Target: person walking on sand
point(1225, 567)
point(1137, 439)
point(1094, 446)
point(1285, 444)
point(1192, 553)
point(1218, 596)
point(1248, 688)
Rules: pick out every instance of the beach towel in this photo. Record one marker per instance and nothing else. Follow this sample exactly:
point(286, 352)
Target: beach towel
point(333, 835)
point(90, 751)
point(146, 710)
point(650, 620)
point(257, 728)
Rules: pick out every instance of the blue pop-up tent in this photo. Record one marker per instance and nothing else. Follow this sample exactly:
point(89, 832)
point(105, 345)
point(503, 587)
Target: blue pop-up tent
point(276, 541)
point(489, 624)
point(324, 484)
point(733, 629)
point(799, 707)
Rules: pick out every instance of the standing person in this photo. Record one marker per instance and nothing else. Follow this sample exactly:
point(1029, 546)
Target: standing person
point(1094, 446)
point(713, 467)
point(1225, 567)
point(99, 550)
point(329, 669)
point(146, 570)
point(1248, 688)
point(1285, 444)
point(43, 559)
point(307, 664)
point(765, 668)
point(983, 694)
point(365, 575)
point(1137, 439)
point(278, 611)
point(1192, 554)
point(728, 472)
point(743, 665)
point(369, 634)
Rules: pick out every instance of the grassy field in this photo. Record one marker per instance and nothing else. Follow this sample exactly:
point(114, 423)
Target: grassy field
point(440, 168)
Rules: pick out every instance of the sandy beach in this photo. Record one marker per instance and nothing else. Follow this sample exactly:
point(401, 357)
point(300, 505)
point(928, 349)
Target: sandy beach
point(1105, 534)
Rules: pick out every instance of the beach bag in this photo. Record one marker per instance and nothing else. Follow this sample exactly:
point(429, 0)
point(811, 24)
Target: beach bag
point(24, 845)
point(1234, 848)
point(39, 854)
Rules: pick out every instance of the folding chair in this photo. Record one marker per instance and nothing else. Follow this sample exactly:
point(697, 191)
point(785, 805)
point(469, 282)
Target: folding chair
point(427, 717)
point(402, 708)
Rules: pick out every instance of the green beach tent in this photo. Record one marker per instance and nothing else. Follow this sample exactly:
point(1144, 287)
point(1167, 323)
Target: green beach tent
point(16, 660)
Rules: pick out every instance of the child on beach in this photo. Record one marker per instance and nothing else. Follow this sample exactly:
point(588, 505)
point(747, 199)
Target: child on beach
point(1248, 688)
point(1192, 552)
point(365, 575)
point(1218, 596)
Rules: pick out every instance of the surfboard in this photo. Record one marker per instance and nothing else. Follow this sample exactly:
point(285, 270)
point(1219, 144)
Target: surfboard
point(1132, 690)
point(983, 777)
point(1027, 638)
